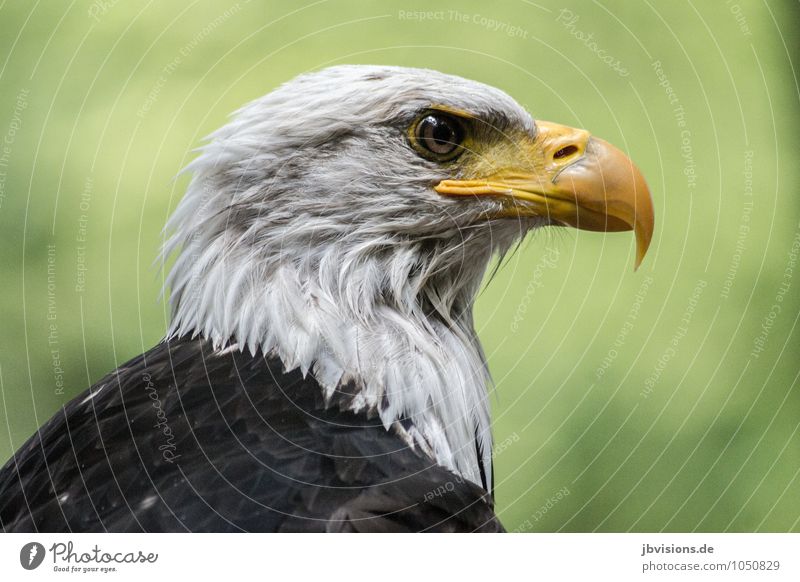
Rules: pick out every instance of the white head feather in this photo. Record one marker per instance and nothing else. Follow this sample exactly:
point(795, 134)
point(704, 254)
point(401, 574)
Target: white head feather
point(310, 230)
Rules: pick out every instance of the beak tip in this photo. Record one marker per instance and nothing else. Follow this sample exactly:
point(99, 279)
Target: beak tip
point(612, 187)
point(643, 231)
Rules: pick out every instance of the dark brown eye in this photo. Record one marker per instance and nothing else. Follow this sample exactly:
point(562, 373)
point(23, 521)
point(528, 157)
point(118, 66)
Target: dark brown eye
point(439, 134)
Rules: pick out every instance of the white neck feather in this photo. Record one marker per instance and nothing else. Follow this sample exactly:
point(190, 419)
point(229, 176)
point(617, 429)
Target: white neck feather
point(399, 329)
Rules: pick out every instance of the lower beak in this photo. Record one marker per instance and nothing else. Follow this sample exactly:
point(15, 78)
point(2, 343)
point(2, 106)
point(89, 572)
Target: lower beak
point(573, 179)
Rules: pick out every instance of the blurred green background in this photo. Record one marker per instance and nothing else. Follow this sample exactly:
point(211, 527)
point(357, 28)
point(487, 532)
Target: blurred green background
point(665, 399)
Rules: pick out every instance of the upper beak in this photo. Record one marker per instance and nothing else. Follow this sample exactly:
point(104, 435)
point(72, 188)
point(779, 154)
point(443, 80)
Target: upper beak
point(573, 179)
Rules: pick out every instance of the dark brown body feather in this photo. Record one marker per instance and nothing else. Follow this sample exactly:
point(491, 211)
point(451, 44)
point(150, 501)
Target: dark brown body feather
point(184, 439)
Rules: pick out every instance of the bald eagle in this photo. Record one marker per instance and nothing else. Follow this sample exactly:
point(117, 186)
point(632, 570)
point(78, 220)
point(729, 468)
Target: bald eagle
point(321, 371)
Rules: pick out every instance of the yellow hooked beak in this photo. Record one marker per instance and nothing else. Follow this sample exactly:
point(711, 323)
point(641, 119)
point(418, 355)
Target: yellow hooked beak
point(571, 178)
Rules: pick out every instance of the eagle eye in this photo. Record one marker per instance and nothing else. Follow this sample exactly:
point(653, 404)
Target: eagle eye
point(439, 135)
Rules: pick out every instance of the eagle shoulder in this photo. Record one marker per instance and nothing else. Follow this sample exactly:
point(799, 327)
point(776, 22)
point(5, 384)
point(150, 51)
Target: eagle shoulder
point(186, 438)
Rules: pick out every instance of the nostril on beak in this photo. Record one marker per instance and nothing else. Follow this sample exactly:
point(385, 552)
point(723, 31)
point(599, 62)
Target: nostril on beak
point(565, 152)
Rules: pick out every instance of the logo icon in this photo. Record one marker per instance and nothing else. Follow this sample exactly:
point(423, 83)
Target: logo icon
point(31, 555)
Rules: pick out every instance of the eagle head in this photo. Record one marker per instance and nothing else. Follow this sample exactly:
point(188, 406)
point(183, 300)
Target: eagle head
point(344, 221)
